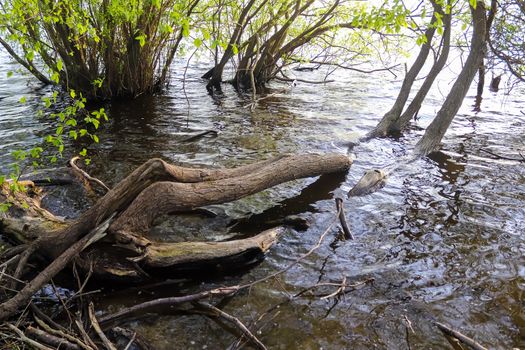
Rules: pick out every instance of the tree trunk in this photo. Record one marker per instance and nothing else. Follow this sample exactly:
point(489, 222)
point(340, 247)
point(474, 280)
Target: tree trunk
point(481, 69)
point(393, 114)
point(126, 214)
point(437, 129)
point(414, 106)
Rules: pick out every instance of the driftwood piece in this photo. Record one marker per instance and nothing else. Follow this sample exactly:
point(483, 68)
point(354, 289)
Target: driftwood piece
point(26, 339)
point(370, 182)
point(461, 337)
point(155, 188)
point(50, 339)
point(342, 218)
point(176, 254)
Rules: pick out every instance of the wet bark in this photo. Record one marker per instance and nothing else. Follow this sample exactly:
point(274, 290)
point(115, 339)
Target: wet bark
point(126, 213)
point(393, 114)
point(437, 129)
point(413, 108)
point(482, 69)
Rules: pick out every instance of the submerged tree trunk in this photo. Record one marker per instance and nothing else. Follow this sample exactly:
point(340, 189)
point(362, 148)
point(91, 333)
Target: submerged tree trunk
point(393, 114)
point(481, 69)
point(126, 214)
point(413, 108)
point(437, 129)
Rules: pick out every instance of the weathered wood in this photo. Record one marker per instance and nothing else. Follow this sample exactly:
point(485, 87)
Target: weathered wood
point(178, 254)
point(437, 129)
point(154, 188)
point(370, 182)
point(167, 196)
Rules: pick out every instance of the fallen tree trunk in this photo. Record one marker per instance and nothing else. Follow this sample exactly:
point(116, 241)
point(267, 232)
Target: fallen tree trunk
point(155, 188)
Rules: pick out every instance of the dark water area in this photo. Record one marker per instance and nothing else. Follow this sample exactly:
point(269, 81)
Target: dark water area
point(443, 240)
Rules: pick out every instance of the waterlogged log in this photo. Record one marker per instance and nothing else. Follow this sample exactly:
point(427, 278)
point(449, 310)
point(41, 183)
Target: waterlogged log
point(128, 210)
point(230, 252)
point(157, 188)
point(370, 182)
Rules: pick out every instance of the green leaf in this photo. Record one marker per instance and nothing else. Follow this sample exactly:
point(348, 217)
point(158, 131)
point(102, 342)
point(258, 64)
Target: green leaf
point(10, 74)
point(473, 3)
point(47, 101)
point(197, 42)
point(4, 207)
point(23, 99)
point(142, 39)
point(60, 65)
point(30, 55)
point(72, 93)
point(55, 77)
point(185, 28)
point(83, 152)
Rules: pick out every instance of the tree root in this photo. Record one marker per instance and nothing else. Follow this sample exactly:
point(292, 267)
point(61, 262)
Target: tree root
point(153, 189)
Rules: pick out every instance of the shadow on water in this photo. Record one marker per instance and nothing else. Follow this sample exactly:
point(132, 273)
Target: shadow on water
point(443, 240)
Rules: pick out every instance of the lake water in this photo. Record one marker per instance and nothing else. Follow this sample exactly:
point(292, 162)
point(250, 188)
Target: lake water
point(443, 240)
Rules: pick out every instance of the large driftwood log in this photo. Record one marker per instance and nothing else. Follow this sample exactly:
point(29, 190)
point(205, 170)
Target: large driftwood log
point(129, 209)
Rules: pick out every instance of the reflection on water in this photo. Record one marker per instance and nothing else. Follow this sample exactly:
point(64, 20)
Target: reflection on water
point(443, 240)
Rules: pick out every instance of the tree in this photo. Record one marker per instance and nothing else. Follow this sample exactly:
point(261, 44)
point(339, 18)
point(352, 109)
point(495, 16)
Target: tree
point(261, 39)
point(102, 49)
point(506, 36)
point(437, 129)
point(395, 120)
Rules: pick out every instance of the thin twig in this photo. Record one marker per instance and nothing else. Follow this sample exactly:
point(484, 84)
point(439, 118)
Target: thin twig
point(502, 157)
point(86, 175)
point(98, 330)
point(200, 135)
point(222, 291)
point(84, 334)
point(338, 291)
point(131, 340)
point(234, 320)
point(462, 338)
point(342, 218)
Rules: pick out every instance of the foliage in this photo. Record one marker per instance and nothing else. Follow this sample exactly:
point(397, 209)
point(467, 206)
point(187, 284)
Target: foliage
point(102, 49)
point(506, 37)
point(262, 37)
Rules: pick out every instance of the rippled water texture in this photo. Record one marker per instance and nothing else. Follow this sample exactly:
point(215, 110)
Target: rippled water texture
point(443, 240)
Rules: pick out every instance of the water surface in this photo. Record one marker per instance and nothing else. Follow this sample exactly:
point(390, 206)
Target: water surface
point(443, 240)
